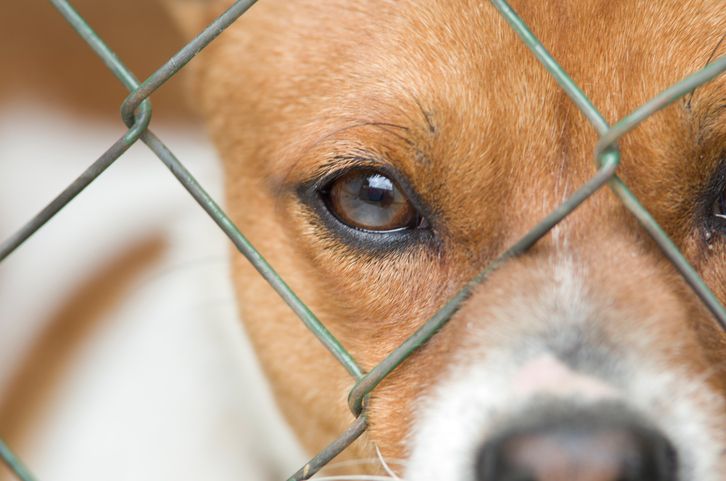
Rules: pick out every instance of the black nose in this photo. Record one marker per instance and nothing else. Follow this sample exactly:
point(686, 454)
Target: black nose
point(578, 447)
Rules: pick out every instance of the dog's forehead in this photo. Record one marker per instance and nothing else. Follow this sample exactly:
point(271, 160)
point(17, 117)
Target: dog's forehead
point(615, 42)
point(459, 59)
point(445, 89)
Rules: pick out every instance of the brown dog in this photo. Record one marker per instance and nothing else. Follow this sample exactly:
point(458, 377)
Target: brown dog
point(381, 153)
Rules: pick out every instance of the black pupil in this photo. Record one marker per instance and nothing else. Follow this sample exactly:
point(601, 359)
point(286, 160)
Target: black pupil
point(377, 189)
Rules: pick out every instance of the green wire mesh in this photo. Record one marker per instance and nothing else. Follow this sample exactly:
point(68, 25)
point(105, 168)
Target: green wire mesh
point(136, 114)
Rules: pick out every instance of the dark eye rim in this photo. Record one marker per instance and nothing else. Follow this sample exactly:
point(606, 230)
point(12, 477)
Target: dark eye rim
point(310, 194)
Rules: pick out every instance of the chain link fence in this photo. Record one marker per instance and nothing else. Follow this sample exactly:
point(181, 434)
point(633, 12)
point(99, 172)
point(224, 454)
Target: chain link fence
point(136, 114)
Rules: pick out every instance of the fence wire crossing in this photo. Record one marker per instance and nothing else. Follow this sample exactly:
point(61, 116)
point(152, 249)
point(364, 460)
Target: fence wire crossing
point(136, 114)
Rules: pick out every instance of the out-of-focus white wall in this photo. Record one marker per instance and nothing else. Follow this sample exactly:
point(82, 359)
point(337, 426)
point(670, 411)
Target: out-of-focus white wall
point(164, 386)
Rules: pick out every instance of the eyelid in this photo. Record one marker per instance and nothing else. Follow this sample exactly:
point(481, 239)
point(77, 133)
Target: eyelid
point(342, 165)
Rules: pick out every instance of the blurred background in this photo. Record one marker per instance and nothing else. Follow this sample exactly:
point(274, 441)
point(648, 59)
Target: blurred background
point(121, 354)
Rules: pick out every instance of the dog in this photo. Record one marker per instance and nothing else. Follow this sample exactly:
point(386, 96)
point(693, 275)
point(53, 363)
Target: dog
point(380, 154)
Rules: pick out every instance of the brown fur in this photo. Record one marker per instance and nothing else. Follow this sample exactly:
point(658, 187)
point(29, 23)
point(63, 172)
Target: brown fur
point(291, 85)
point(446, 93)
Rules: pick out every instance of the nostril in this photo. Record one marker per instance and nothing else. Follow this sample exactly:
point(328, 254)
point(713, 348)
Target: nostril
point(577, 450)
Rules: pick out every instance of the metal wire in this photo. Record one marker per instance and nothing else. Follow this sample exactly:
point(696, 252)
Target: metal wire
point(259, 262)
point(14, 463)
point(181, 58)
point(136, 113)
point(610, 135)
point(568, 85)
point(433, 325)
point(332, 450)
point(137, 97)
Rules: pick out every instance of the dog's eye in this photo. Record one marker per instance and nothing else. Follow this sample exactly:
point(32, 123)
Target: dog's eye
point(370, 201)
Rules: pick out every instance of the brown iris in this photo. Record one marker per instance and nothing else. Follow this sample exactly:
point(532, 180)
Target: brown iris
point(370, 201)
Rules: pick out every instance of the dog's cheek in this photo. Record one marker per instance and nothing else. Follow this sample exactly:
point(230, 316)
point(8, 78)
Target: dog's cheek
point(707, 257)
point(712, 268)
point(394, 406)
point(308, 383)
point(372, 300)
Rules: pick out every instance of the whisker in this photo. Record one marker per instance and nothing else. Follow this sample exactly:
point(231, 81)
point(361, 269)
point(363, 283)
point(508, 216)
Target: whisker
point(352, 477)
point(358, 462)
point(386, 468)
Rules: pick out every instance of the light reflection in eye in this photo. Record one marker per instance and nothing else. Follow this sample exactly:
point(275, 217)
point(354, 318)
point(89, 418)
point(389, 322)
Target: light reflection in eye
point(370, 201)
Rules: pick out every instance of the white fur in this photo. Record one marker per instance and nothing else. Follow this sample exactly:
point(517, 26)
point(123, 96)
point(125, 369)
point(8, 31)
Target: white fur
point(484, 386)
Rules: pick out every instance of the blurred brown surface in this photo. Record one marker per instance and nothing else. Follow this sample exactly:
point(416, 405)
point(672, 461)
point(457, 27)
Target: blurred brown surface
point(42, 57)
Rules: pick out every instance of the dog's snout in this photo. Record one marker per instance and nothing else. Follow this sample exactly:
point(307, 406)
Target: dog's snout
point(579, 449)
